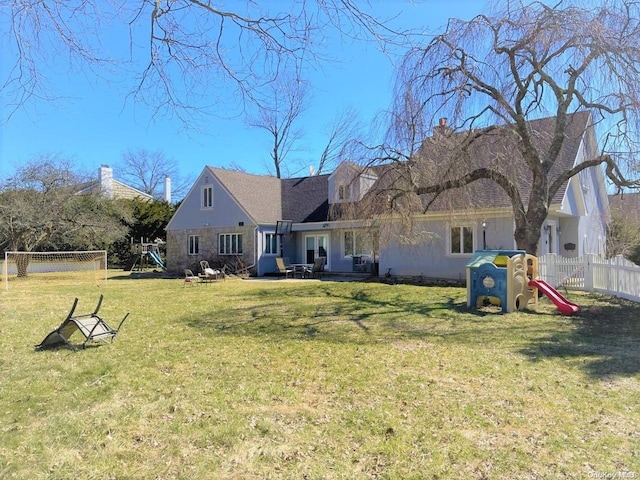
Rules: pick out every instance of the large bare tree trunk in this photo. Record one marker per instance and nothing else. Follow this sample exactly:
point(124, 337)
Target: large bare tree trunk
point(22, 263)
point(527, 236)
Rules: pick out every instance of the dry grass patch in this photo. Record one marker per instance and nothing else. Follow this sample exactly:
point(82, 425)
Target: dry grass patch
point(250, 379)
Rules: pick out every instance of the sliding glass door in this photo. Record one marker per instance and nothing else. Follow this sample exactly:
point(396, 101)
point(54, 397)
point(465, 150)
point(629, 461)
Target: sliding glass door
point(316, 246)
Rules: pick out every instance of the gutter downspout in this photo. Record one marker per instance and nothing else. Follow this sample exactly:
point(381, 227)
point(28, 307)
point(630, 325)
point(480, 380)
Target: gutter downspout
point(255, 249)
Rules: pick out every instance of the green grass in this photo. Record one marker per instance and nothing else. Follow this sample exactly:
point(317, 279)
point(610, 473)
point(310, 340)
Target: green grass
point(316, 380)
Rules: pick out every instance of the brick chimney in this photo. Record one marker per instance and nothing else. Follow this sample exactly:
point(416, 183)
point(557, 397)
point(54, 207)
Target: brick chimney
point(442, 128)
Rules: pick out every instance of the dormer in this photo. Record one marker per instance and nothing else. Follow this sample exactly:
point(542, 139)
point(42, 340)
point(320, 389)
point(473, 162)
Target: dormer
point(349, 183)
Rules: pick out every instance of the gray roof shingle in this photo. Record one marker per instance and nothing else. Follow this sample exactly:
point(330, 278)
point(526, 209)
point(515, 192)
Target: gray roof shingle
point(500, 145)
point(306, 199)
point(268, 199)
point(259, 195)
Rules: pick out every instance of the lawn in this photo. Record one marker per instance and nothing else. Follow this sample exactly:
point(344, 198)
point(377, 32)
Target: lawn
point(317, 380)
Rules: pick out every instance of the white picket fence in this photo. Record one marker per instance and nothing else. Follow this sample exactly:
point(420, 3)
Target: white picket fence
point(614, 276)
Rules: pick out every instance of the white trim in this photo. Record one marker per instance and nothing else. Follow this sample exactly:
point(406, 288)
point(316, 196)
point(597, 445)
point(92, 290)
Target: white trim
point(327, 247)
point(355, 232)
point(204, 198)
point(189, 252)
point(231, 234)
point(265, 243)
point(462, 226)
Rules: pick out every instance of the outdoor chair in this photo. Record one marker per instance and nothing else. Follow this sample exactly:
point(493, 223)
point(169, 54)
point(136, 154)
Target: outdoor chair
point(91, 326)
point(282, 268)
point(190, 278)
point(208, 274)
point(317, 268)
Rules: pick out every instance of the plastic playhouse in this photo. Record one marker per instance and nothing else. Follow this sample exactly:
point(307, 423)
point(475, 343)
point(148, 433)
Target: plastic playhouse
point(509, 279)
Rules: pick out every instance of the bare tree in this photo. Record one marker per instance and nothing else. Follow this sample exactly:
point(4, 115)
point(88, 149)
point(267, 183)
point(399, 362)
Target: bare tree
point(183, 55)
point(623, 236)
point(343, 130)
point(146, 170)
point(492, 77)
point(40, 209)
point(277, 114)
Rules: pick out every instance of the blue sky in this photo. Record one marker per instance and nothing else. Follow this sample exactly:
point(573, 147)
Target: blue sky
point(94, 126)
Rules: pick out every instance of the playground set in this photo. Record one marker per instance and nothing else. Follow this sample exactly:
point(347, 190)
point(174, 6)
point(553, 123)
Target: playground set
point(145, 255)
point(509, 279)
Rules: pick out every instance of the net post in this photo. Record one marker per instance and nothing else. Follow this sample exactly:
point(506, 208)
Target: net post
point(105, 266)
point(5, 271)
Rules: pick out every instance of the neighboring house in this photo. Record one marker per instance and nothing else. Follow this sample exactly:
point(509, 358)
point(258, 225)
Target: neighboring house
point(112, 188)
point(626, 205)
point(624, 234)
point(229, 215)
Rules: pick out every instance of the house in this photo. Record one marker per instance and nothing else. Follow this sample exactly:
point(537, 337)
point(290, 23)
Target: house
point(231, 216)
point(624, 233)
point(626, 204)
point(112, 188)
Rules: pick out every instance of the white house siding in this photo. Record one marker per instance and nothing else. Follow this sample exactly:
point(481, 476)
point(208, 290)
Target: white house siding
point(191, 219)
point(567, 236)
point(592, 235)
point(591, 230)
point(351, 176)
point(225, 211)
point(429, 255)
point(592, 226)
point(267, 262)
point(338, 262)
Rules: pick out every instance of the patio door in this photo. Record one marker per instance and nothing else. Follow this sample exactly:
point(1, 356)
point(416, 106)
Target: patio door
point(316, 246)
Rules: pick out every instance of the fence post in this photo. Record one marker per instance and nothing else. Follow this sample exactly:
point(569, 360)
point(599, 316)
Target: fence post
point(5, 271)
point(619, 267)
point(588, 272)
point(552, 269)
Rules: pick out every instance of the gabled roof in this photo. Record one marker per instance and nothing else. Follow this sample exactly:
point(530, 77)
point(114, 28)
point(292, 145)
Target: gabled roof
point(267, 199)
point(500, 145)
point(354, 168)
point(258, 195)
point(120, 190)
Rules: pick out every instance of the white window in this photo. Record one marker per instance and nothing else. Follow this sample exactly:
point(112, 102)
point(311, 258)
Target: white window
point(343, 192)
point(360, 242)
point(193, 245)
point(270, 244)
point(207, 196)
point(230, 244)
point(461, 240)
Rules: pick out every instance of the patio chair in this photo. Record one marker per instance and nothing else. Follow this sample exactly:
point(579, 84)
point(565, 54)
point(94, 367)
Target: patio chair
point(190, 278)
point(282, 268)
point(317, 268)
point(208, 274)
point(91, 326)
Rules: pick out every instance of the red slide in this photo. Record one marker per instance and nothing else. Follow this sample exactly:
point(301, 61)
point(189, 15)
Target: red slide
point(565, 306)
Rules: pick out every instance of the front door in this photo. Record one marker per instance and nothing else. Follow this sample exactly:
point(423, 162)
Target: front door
point(317, 246)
